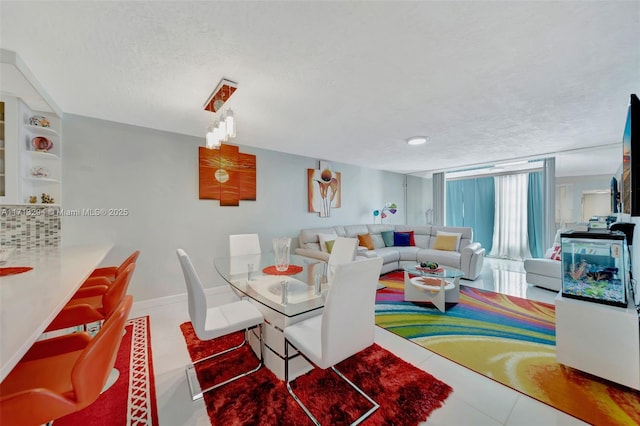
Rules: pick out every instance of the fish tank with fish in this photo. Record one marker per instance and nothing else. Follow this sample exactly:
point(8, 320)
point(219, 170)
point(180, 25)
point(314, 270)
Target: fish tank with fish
point(595, 266)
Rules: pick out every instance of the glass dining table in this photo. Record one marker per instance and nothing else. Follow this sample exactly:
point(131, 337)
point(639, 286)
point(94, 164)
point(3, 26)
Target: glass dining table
point(284, 298)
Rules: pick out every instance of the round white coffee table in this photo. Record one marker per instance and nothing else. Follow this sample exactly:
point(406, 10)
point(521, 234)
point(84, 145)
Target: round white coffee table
point(438, 286)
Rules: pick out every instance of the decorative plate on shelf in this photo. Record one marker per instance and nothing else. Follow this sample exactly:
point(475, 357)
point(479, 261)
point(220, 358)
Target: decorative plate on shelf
point(40, 121)
point(40, 143)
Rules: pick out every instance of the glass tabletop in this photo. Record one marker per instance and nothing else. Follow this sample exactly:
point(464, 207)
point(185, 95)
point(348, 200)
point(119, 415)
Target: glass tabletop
point(441, 272)
point(290, 293)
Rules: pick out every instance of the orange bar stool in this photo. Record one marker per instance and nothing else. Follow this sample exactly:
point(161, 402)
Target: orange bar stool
point(62, 375)
point(93, 304)
point(111, 272)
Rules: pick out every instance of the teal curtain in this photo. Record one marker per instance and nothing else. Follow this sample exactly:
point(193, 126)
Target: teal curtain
point(471, 202)
point(479, 211)
point(535, 213)
point(455, 203)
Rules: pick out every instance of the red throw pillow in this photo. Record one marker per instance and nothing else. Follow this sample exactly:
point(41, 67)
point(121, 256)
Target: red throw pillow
point(556, 254)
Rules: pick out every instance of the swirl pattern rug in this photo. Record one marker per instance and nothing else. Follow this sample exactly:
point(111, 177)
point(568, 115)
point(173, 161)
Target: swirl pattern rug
point(510, 340)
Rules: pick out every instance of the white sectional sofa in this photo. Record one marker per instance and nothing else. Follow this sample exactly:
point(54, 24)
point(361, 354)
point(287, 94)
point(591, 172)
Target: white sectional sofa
point(468, 257)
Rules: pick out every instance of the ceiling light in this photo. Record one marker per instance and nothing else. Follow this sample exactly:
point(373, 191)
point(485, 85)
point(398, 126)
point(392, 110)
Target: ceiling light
point(220, 131)
point(220, 95)
point(417, 140)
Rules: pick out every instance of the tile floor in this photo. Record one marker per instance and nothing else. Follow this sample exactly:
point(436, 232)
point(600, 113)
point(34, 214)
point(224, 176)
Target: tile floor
point(476, 400)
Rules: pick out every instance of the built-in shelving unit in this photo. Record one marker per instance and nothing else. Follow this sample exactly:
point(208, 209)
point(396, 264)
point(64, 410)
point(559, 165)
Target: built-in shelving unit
point(25, 171)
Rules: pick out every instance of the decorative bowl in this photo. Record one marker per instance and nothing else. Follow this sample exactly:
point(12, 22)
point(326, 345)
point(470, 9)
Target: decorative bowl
point(40, 143)
point(40, 121)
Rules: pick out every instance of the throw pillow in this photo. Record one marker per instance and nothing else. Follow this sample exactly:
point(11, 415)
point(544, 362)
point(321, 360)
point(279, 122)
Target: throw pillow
point(445, 242)
point(448, 234)
point(365, 241)
point(556, 254)
point(329, 245)
point(387, 237)
point(401, 239)
point(323, 240)
point(412, 241)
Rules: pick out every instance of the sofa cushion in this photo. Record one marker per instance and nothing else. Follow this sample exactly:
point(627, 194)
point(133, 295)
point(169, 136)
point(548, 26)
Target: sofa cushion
point(447, 258)
point(421, 233)
point(458, 236)
point(387, 237)
point(352, 231)
point(545, 267)
point(388, 254)
point(556, 252)
point(408, 253)
point(466, 234)
point(445, 242)
point(401, 239)
point(329, 245)
point(366, 241)
point(323, 238)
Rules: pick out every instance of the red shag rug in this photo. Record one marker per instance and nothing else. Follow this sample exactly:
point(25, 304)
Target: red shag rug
point(406, 394)
point(131, 400)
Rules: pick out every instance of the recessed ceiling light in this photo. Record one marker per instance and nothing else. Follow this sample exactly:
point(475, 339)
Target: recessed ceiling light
point(417, 140)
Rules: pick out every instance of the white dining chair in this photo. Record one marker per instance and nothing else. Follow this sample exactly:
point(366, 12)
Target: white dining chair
point(343, 251)
point(242, 244)
point(210, 323)
point(344, 328)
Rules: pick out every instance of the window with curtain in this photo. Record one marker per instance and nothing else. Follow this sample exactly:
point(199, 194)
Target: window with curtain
point(506, 210)
point(470, 202)
point(510, 235)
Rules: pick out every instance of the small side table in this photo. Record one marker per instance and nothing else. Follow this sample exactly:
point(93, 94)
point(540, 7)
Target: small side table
point(438, 287)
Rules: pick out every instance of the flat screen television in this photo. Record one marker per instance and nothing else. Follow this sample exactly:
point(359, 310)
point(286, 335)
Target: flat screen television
point(631, 159)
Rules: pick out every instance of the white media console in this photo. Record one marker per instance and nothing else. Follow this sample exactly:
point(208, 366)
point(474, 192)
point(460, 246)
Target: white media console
point(599, 339)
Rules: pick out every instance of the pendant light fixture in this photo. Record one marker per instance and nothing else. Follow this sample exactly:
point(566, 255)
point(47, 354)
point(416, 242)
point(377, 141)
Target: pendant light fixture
point(225, 128)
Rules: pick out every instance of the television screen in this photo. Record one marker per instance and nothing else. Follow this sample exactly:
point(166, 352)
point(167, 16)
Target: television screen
point(631, 169)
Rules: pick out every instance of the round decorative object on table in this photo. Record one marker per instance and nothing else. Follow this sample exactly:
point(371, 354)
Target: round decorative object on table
point(40, 143)
point(40, 121)
point(291, 270)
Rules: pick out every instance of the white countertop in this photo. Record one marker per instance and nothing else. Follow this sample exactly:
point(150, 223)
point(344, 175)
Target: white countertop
point(30, 301)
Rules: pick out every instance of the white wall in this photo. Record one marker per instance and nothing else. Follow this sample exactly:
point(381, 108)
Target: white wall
point(154, 175)
point(419, 199)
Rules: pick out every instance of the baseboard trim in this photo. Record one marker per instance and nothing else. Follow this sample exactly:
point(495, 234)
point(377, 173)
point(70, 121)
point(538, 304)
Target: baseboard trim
point(178, 298)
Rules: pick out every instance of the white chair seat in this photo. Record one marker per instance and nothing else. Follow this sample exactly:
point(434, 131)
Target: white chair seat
point(346, 326)
point(307, 335)
point(229, 318)
point(210, 323)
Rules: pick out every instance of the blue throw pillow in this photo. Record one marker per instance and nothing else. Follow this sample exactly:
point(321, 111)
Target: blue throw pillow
point(401, 239)
point(387, 237)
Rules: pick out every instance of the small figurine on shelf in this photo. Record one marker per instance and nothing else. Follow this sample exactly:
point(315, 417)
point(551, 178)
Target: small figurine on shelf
point(33, 199)
point(47, 199)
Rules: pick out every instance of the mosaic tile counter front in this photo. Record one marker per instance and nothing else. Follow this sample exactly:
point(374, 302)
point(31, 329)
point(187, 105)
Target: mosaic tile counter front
point(26, 227)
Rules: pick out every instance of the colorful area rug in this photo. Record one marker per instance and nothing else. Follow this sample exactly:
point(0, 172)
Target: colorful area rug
point(131, 400)
point(510, 340)
point(406, 394)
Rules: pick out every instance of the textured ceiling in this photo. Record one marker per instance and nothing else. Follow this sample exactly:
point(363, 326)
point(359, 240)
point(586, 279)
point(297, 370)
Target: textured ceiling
point(349, 81)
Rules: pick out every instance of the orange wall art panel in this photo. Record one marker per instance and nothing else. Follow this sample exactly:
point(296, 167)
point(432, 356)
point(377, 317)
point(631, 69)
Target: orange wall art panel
point(227, 175)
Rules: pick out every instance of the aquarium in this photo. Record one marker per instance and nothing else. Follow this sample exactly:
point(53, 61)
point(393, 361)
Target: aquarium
point(595, 266)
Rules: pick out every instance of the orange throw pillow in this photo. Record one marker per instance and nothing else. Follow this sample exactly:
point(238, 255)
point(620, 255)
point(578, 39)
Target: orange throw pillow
point(365, 240)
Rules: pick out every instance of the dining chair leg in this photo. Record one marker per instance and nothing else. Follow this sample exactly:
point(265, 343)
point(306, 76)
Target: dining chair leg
point(359, 420)
point(192, 378)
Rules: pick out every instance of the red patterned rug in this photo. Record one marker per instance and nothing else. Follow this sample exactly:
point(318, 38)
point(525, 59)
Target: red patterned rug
point(406, 394)
point(131, 400)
